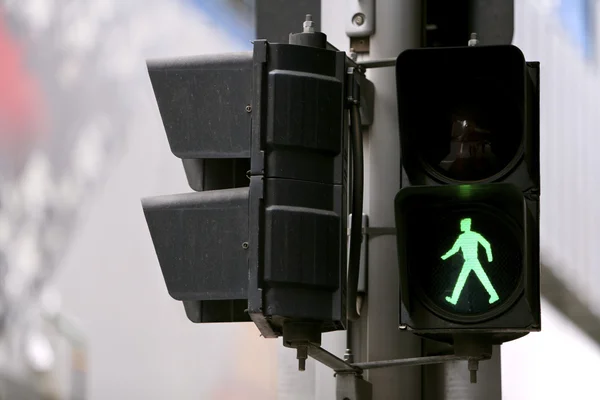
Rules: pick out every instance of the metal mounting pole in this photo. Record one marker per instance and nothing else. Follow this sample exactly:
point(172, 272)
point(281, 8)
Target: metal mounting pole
point(376, 335)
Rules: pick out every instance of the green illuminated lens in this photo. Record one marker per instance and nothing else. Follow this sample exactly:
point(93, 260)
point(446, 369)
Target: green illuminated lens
point(468, 242)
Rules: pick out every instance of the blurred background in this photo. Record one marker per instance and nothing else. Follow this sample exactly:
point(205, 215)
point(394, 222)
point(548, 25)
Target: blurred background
point(84, 312)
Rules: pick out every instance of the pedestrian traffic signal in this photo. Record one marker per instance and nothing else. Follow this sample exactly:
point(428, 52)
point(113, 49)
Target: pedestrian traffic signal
point(263, 136)
point(464, 246)
point(467, 213)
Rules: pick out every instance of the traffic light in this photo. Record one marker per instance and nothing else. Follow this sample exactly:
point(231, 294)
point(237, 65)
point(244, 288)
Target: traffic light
point(263, 136)
point(467, 213)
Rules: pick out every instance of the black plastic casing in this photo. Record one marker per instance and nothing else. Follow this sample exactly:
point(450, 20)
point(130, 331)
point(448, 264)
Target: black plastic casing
point(262, 136)
point(515, 190)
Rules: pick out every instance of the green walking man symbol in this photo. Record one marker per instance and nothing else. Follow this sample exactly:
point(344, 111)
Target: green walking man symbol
point(468, 242)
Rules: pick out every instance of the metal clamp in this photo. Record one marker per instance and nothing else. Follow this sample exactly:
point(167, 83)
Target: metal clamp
point(360, 18)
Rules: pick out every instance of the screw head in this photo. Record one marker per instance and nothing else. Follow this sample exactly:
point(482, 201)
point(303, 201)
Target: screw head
point(248, 108)
point(245, 245)
point(358, 19)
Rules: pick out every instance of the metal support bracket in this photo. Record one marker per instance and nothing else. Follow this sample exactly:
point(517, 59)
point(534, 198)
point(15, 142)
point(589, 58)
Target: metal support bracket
point(349, 381)
point(373, 231)
point(383, 63)
point(360, 24)
point(342, 367)
point(330, 360)
point(360, 18)
point(415, 361)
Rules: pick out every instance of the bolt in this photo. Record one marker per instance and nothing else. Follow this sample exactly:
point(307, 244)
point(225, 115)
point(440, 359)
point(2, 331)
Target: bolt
point(473, 41)
point(302, 355)
point(248, 108)
point(473, 367)
point(358, 19)
point(309, 25)
point(348, 356)
point(301, 364)
point(245, 245)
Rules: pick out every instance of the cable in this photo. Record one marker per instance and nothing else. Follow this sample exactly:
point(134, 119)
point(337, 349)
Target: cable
point(357, 210)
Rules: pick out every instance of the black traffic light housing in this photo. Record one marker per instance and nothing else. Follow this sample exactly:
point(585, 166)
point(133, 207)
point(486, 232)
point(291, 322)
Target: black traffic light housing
point(467, 213)
point(264, 143)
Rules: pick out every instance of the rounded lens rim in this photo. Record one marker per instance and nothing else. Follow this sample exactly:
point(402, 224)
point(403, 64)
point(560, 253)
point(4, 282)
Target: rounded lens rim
point(515, 295)
point(518, 154)
point(434, 173)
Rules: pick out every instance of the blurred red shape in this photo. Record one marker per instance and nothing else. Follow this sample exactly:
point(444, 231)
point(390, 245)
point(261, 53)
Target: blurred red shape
point(22, 111)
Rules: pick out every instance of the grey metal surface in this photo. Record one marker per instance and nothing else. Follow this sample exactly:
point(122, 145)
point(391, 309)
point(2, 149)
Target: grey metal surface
point(352, 387)
point(493, 20)
point(398, 28)
point(450, 381)
point(274, 19)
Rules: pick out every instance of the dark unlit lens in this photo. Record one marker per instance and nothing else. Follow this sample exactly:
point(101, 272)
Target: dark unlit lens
point(477, 137)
